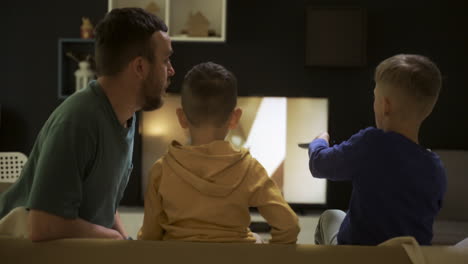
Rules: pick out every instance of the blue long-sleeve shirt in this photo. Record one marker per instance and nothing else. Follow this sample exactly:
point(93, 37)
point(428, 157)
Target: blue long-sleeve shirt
point(398, 186)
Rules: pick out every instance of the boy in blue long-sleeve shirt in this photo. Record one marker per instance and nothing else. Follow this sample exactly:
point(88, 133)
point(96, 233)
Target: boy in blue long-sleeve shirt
point(398, 185)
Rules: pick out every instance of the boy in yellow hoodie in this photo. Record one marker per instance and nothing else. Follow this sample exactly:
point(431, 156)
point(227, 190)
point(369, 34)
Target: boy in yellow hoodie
point(203, 191)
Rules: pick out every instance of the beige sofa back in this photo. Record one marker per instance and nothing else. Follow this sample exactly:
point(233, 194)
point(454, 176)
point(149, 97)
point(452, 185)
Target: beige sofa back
point(455, 202)
point(139, 252)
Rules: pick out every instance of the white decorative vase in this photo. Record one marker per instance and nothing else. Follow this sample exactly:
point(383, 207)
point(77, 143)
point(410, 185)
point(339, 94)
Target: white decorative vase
point(83, 75)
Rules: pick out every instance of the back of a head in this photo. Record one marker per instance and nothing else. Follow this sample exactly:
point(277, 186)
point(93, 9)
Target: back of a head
point(209, 94)
point(123, 34)
point(415, 78)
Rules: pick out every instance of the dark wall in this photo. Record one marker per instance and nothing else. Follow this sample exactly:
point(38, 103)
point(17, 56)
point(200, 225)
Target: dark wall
point(28, 90)
point(265, 48)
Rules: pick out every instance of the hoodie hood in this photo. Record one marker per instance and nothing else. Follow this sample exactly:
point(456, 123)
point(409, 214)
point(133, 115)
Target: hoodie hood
point(214, 169)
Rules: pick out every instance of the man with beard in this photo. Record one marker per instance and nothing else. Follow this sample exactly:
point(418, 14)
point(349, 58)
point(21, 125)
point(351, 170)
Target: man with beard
point(79, 166)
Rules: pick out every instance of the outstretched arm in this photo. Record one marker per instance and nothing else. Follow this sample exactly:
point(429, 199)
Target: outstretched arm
point(44, 226)
point(339, 162)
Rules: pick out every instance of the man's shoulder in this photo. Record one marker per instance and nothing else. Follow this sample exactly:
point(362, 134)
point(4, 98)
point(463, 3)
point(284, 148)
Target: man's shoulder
point(83, 103)
point(78, 108)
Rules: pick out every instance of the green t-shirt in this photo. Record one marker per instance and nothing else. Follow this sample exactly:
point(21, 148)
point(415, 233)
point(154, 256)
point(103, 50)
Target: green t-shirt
point(80, 163)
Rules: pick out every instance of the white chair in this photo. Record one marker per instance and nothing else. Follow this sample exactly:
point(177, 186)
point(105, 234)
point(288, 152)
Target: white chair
point(11, 164)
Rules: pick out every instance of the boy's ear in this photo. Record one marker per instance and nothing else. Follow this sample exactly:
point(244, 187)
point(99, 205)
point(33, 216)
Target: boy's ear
point(182, 118)
point(387, 106)
point(235, 117)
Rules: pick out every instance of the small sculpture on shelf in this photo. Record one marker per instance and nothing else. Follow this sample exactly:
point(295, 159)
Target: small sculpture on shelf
point(153, 8)
point(84, 74)
point(86, 28)
point(197, 25)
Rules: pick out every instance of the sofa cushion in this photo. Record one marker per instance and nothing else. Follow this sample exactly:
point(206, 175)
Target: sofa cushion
point(108, 251)
point(454, 207)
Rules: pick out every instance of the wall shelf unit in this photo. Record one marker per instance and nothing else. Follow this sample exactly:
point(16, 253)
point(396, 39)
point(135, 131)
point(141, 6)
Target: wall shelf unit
point(80, 48)
point(188, 20)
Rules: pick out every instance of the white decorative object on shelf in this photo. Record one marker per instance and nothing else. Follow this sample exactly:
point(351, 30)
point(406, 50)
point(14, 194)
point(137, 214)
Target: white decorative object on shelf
point(83, 75)
point(209, 17)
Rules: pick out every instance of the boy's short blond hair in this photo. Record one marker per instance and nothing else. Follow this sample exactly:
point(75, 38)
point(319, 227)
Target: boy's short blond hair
point(414, 76)
point(209, 94)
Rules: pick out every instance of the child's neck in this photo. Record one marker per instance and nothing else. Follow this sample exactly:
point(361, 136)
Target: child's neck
point(410, 131)
point(206, 135)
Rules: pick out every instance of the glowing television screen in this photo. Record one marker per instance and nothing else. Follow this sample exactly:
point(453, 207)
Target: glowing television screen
point(270, 127)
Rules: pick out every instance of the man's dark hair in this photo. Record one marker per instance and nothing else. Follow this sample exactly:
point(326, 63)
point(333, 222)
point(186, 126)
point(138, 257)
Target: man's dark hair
point(123, 34)
point(209, 94)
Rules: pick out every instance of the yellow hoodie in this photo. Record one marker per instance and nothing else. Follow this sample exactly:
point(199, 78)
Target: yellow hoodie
point(203, 193)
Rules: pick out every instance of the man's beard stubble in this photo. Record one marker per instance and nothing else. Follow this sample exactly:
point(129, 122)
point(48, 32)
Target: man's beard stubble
point(152, 101)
